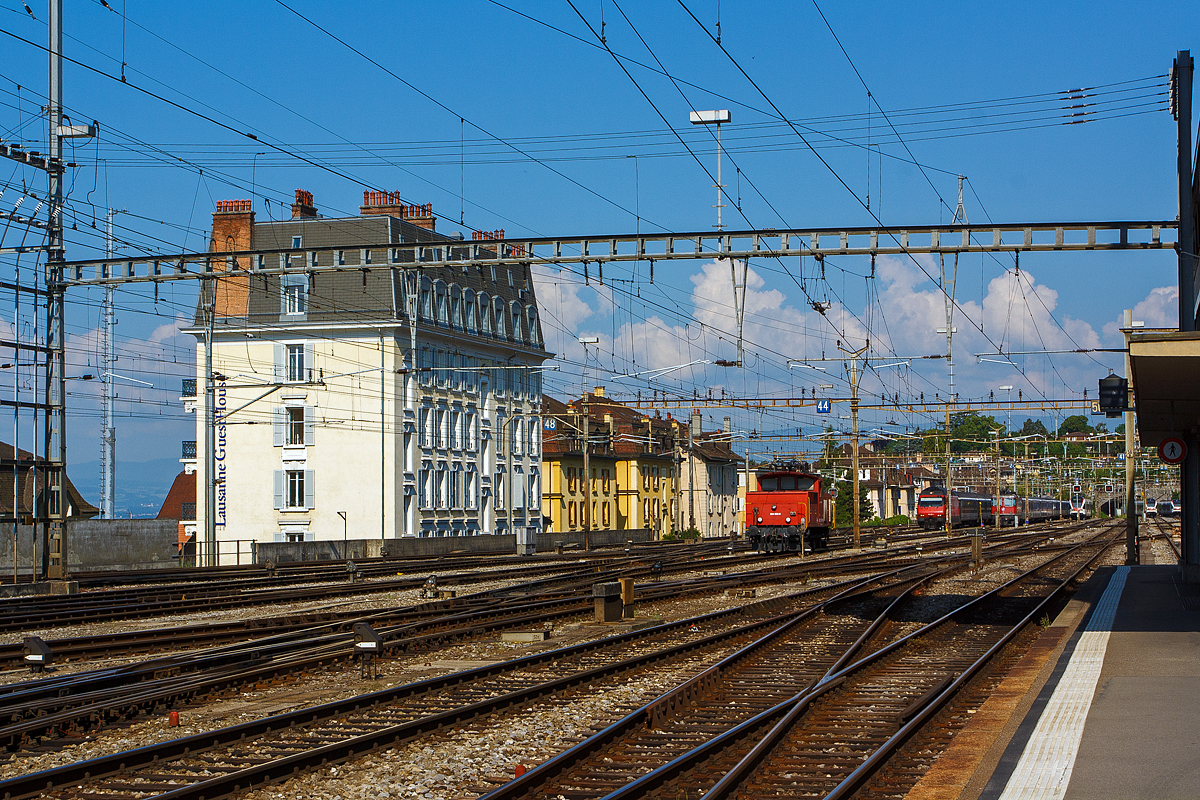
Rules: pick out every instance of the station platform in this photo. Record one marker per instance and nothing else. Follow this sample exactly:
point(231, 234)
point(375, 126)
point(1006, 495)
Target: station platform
point(1105, 705)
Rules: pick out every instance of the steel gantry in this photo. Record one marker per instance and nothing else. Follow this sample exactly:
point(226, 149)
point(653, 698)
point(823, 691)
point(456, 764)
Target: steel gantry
point(599, 250)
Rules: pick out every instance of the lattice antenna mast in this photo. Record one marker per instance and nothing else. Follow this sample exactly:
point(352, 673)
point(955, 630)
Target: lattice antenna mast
point(108, 432)
point(948, 287)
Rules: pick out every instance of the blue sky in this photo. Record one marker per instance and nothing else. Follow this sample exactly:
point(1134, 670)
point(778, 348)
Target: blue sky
point(970, 88)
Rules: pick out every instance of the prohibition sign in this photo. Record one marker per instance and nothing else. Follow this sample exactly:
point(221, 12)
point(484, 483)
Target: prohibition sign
point(1172, 450)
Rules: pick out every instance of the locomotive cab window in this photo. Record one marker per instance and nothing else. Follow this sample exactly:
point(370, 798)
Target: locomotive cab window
point(768, 484)
point(930, 501)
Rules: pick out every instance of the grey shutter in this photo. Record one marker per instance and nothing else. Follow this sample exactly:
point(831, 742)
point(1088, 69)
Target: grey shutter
point(279, 424)
point(280, 486)
point(310, 425)
point(310, 362)
point(310, 489)
point(280, 362)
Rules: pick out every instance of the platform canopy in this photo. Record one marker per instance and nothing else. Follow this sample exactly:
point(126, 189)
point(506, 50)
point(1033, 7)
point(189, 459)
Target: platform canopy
point(1166, 384)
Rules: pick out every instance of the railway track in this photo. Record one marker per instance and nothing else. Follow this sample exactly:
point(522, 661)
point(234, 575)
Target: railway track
point(72, 705)
point(827, 739)
point(213, 634)
point(266, 750)
point(350, 739)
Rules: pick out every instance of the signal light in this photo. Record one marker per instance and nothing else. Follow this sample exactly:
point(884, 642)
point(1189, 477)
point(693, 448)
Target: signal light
point(37, 653)
point(1114, 395)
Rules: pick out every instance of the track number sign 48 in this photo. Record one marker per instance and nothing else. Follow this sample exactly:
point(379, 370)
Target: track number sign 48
point(1172, 450)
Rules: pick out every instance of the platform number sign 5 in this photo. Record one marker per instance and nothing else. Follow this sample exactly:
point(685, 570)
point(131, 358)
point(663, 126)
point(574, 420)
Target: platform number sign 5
point(824, 406)
point(1172, 450)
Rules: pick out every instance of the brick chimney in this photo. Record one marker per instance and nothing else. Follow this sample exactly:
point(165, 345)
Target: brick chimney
point(389, 203)
point(303, 208)
point(232, 230)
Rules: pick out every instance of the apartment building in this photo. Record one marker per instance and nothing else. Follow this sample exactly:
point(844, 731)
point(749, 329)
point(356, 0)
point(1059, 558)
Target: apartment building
point(380, 400)
point(631, 459)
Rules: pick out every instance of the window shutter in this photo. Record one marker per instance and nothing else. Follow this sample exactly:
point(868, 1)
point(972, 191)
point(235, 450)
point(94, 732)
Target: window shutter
point(310, 362)
point(310, 489)
point(279, 488)
point(310, 425)
point(278, 424)
point(280, 362)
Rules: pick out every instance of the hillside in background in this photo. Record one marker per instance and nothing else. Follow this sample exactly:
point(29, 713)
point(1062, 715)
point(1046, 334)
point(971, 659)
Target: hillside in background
point(141, 485)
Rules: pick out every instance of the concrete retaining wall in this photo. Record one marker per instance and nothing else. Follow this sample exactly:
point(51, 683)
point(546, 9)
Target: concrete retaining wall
point(99, 544)
point(414, 547)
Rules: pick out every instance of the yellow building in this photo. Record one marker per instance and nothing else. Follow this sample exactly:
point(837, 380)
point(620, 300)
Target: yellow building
point(631, 461)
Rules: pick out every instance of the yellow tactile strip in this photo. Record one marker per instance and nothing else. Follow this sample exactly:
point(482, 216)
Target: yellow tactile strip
point(950, 774)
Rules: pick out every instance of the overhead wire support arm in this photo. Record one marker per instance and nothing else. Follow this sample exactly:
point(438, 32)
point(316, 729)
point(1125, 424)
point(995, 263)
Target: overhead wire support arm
point(630, 247)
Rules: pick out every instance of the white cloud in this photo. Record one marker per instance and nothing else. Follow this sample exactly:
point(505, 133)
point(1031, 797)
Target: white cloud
point(1159, 309)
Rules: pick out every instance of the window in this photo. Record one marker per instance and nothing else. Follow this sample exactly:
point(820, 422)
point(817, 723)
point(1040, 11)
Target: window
point(604, 481)
point(469, 306)
point(604, 518)
point(645, 479)
point(572, 514)
point(297, 242)
point(295, 362)
point(472, 488)
point(426, 427)
point(456, 480)
point(470, 430)
point(518, 488)
point(498, 482)
point(426, 299)
point(440, 290)
point(456, 317)
point(518, 437)
point(655, 478)
point(295, 425)
point(295, 489)
point(440, 429)
point(535, 488)
point(516, 322)
point(571, 480)
point(426, 485)
point(456, 430)
point(498, 316)
point(443, 486)
point(531, 313)
point(485, 315)
point(293, 295)
point(341, 257)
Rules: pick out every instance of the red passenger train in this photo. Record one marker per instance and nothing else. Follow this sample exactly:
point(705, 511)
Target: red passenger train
point(790, 511)
point(965, 509)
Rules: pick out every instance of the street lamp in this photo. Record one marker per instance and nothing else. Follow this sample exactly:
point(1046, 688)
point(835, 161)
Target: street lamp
point(715, 118)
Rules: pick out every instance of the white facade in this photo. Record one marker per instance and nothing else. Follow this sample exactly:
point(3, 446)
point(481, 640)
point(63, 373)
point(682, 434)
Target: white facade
point(330, 425)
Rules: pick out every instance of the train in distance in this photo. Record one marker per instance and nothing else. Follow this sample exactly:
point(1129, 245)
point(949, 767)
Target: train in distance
point(974, 510)
point(791, 511)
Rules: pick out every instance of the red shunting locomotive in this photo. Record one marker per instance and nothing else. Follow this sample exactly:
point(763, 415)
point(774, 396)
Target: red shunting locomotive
point(790, 511)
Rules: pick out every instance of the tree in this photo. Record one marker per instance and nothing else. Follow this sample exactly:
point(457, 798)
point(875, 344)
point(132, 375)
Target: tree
point(845, 511)
point(1033, 427)
point(974, 428)
point(1120, 429)
point(1076, 423)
